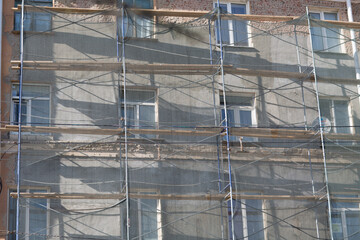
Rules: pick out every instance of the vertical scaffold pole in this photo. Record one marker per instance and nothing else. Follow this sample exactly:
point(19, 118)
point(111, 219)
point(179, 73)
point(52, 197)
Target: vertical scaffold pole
point(225, 119)
point(306, 128)
point(120, 121)
point(125, 121)
point(217, 137)
point(19, 119)
point(321, 127)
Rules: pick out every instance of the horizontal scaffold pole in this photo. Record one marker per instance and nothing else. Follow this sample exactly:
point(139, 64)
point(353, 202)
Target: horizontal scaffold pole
point(200, 197)
point(182, 13)
point(293, 134)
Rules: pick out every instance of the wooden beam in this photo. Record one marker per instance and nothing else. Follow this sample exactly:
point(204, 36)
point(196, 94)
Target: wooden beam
point(159, 68)
point(182, 13)
point(200, 197)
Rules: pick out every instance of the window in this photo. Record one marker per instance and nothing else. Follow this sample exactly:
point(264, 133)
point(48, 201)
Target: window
point(241, 112)
point(325, 39)
point(248, 219)
point(35, 105)
point(146, 218)
point(34, 219)
point(137, 26)
point(233, 32)
point(345, 218)
point(338, 112)
point(141, 106)
point(34, 21)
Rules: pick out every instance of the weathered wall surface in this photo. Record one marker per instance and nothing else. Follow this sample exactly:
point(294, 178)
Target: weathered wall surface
point(91, 98)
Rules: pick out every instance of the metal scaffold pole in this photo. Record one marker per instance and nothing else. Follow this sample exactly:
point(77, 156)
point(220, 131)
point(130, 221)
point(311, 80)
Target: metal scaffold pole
point(321, 126)
point(19, 121)
point(217, 137)
point(306, 128)
point(121, 177)
point(125, 121)
point(226, 120)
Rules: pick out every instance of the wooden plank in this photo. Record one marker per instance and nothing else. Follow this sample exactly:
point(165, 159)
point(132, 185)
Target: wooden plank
point(180, 69)
point(200, 197)
point(182, 13)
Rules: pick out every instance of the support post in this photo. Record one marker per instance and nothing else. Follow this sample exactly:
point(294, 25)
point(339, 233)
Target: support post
point(306, 128)
point(125, 121)
point(321, 127)
point(19, 120)
point(226, 119)
point(217, 137)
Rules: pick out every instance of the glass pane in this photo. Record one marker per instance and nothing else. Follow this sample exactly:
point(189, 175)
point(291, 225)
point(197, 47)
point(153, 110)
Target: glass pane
point(42, 22)
point(254, 219)
point(333, 39)
point(12, 217)
point(23, 113)
point(239, 101)
point(316, 34)
point(37, 218)
point(147, 117)
point(40, 113)
point(337, 225)
point(238, 220)
point(342, 116)
point(130, 112)
point(27, 22)
point(224, 25)
point(32, 91)
point(245, 118)
point(17, 20)
point(147, 4)
point(149, 219)
point(139, 96)
point(353, 224)
point(239, 27)
point(143, 27)
point(332, 34)
point(325, 110)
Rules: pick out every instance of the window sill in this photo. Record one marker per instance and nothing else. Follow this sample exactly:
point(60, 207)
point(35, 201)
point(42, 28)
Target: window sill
point(32, 32)
point(330, 53)
point(141, 39)
point(31, 136)
point(240, 48)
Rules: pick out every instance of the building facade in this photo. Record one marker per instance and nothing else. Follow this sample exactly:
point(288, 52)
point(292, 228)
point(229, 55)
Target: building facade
point(163, 119)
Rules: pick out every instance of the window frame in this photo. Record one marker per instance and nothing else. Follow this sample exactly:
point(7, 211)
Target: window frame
point(324, 34)
point(333, 114)
point(134, 27)
point(138, 104)
point(231, 25)
point(27, 189)
point(158, 212)
point(342, 211)
point(244, 213)
point(28, 106)
point(238, 108)
point(31, 16)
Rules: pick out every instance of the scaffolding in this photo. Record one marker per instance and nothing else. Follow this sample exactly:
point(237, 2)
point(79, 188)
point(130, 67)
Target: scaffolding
point(136, 123)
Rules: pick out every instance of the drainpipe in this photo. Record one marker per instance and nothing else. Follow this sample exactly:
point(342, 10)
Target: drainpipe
point(353, 43)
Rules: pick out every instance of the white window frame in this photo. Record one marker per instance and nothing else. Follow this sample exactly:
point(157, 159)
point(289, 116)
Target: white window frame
point(27, 210)
point(238, 108)
point(151, 26)
point(29, 104)
point(244, 214)
point(323, 31)
point(332, 113)
point(342, 212)
point(138, 104)
point(32, 15)
point(158, 213)
point(231, 25)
